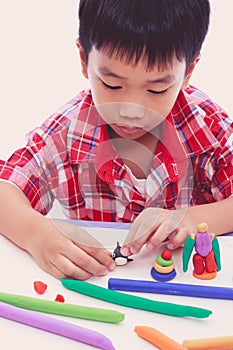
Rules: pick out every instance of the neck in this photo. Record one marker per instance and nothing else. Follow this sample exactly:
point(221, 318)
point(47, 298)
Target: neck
point(136, 154)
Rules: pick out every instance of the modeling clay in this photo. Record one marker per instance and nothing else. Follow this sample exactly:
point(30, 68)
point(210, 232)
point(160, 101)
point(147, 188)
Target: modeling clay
point(164, 268)
point(160, 340)
point(52, 325)
point(166, 254)
point(206, 260)
point(40, 287)
point(133, 301)
point(71, 310)
point(178, 289)
point(60, 298)
point(118, 257)
point(216, 343)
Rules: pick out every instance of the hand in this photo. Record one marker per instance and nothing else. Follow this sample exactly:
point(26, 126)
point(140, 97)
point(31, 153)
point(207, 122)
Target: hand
point(154, 226)
point(62, 257)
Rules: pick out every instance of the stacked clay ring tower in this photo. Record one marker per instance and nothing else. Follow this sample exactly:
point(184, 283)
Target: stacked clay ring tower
point(163, 269)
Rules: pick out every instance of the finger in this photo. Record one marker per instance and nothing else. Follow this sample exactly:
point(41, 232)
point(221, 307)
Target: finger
point(178, 239)
point(148, 220)
point(87, 243)
point(176, 219)
point(46, 262)
point(103, 256)
point(84, 261)
point(64, 268)
point(49, 267)
point(140, 232)
point(134, 245)
point(159, 236)
point(53, 270)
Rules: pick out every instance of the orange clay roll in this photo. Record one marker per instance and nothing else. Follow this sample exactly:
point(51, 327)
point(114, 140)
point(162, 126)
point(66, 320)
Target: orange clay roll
point(157, 338)
point(216, 343)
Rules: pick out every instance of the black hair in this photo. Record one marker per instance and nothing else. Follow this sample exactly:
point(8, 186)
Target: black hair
point(152, 29)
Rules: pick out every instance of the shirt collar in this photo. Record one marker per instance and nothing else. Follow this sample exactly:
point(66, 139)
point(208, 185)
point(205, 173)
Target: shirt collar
point(86, 131)
point(191, 124)
point(88, 141)
point(184, 133)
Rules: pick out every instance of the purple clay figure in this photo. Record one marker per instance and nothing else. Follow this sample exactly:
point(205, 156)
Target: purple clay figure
point(206, 260)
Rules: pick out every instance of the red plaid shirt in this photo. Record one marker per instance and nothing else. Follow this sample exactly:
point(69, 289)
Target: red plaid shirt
point(71, 158)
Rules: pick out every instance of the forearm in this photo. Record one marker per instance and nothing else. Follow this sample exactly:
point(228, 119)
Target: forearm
point(53, 250)
point(17, 218)
point(217, 215)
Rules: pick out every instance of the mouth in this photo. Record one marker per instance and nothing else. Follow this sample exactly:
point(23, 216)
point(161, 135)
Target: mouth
point(128, 129)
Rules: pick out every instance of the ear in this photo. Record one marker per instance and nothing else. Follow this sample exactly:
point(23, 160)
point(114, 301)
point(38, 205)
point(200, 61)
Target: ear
point(190, 72)
point(82, 59)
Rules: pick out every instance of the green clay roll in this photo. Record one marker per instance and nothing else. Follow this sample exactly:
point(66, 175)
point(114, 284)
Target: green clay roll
point(136, 302)
point(70, 310)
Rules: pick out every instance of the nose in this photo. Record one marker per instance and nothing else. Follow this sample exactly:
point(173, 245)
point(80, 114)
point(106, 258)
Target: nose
point(132, 110)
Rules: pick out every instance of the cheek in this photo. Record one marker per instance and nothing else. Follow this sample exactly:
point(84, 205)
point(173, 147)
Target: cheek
point(169, 102)
point(162, 106)
point(99, 93)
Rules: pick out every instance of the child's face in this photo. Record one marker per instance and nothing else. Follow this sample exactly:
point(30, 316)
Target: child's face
point(131, 99)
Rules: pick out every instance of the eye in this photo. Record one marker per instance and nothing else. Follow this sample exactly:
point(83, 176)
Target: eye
point(111, 87)
point(157, 92)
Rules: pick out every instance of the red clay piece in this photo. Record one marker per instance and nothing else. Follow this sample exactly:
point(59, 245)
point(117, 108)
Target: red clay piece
point(210, 263)
point(40, 287)
point(166, 254)
point(60, 298)
point(198, 263)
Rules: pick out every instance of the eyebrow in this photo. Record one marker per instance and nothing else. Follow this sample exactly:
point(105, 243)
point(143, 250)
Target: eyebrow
point(168, 78)
point(107, 72)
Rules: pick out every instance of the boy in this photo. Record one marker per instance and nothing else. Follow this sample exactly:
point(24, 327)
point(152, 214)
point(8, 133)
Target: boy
point(141, 146)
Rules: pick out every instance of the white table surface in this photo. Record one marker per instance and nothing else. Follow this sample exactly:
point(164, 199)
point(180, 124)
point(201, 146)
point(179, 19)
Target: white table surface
point(18, 271)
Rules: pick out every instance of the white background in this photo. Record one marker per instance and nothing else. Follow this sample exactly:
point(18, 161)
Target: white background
point(40, 70)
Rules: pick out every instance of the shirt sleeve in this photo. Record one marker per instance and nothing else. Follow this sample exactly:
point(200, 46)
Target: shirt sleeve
point(30, 169)
point(13, 184)
point(222, 163)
